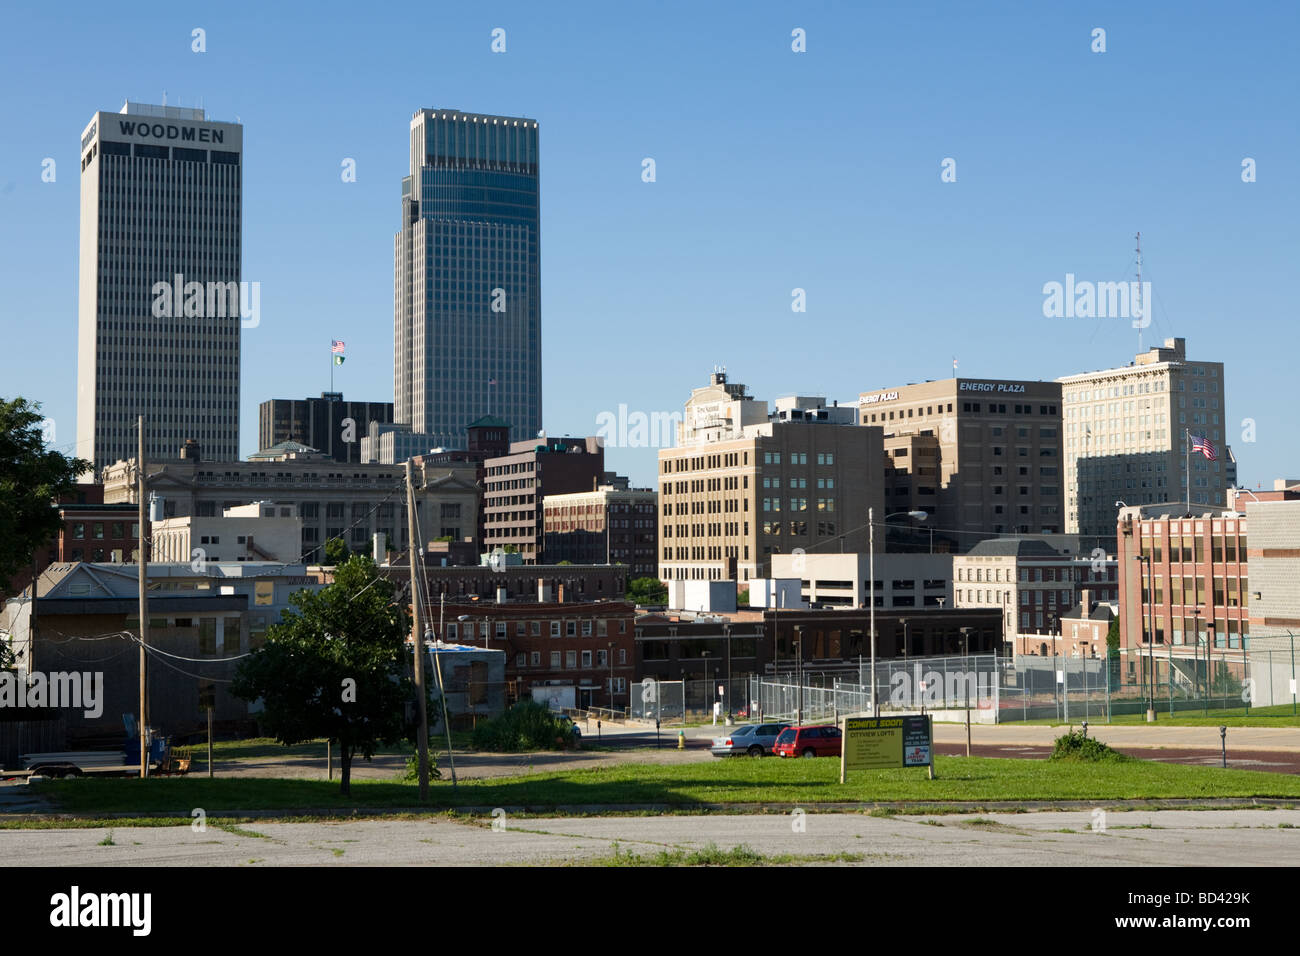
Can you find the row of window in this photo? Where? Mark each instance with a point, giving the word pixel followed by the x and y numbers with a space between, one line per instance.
pixel 572 660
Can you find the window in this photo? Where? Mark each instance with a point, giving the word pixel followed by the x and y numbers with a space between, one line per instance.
pixel 622 657
pixel 586 628
pixel 535 658
pixel 571 628
pixel 521 659
pixel 555 660
pixel 570 660
pixel 586 660
pixel 555 629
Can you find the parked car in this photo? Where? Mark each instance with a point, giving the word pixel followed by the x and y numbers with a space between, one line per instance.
pixel 821 741
pixel 756 740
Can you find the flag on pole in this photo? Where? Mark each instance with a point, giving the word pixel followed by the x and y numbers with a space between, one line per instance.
pixel 339 359
pixel 1203 446
pixel 954 364
pixel 336 347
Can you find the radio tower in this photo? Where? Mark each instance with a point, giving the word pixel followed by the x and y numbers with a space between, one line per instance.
pixel 1140 310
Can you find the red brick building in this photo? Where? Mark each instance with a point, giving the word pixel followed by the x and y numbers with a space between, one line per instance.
pixel 558 645
pixel 89 531
pixel 1197 580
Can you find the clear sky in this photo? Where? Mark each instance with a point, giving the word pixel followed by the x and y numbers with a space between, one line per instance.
pixel 775 170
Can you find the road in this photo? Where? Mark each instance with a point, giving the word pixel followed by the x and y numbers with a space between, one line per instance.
pixel 1047 838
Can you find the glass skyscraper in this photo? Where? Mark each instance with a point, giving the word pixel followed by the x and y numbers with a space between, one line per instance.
pixel 467 284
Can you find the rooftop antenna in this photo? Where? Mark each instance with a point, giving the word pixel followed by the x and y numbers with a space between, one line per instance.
pixel 1141 311
pixel 164 103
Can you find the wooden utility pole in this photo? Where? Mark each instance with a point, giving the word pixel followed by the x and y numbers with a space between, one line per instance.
pixel 422 727
pixel 142 518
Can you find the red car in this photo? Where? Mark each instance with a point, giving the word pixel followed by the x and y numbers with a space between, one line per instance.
pixel 820 741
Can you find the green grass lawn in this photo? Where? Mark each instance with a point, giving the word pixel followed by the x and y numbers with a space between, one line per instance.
pixel 789 782
pixel 1279 716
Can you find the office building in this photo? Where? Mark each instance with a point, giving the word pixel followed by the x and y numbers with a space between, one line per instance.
pixel 333 500
pixel 980 457
pixel 261 531
pixel 517 484
pixel 160 297
pixel 467 280
pixel 328 424
pixel 1034 585
pixel 1125 436
pixel 606 526
pixel 844 580
pixel 744 483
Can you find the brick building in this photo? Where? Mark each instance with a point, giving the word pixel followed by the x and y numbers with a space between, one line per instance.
pixel 608 525
pixel 516 484
pixel 583 645
pixel 89 530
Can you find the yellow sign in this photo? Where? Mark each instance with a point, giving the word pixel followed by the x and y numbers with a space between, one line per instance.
pixel 879 743
pixel 264 593
pixel 873 743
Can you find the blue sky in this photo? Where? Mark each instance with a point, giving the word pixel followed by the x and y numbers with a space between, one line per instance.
pixel 775 170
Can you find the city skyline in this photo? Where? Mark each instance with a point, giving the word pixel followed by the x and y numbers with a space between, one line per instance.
pixel 689 268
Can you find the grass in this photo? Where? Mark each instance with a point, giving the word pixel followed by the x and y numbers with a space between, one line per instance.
pixel 1278 716
pixel 711 855
pixel 678 786
pixel 108 839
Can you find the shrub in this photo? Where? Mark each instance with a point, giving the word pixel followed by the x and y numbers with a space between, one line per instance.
pixel 528 725
pixel 1075 746
pixel 412 772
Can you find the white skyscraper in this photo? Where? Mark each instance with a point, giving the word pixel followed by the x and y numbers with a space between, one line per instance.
pixel 160 295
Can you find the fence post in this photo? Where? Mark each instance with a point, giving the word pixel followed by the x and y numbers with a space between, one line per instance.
pixel 1169 650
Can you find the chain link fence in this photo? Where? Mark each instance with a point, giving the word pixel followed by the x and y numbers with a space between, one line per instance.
pixel 662 700
pixel 997 689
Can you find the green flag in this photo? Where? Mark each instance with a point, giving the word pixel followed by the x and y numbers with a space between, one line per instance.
pixel 338 359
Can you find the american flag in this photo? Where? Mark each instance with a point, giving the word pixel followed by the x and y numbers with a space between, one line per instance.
pixel 336 347
pixel 1202 445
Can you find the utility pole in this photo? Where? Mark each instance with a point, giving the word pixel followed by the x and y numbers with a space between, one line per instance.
pixel 142 518
pixel 417 634
pixel 871 570
pixel 442 691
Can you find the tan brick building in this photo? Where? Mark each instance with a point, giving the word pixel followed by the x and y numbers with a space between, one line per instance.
pixel 1125 436
pixel 744 484
pixel 981 457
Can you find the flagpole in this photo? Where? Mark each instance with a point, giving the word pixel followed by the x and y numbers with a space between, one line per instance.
pixel 1187 438
pixel 331 367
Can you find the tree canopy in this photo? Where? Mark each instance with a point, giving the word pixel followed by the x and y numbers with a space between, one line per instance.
pixel 647 591
pixel 31 480
pixel 336 667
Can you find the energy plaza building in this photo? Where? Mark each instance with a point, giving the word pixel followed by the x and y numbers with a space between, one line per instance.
pixel 159 299
pixel 467 336
pixel 742 484
pixel 980 457
pixel 1126 436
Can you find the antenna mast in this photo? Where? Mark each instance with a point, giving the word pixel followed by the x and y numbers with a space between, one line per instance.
pixel 1141 311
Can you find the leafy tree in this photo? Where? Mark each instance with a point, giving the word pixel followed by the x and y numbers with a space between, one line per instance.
pixel 742 599
pixel 336 551
pixel 1112 638
pixel 335 668
pixel 31 479
pixel 647 590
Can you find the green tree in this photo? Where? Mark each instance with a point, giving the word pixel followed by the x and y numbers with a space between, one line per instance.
pixel 647 591
pixel 336 551
pixel 336 668
pixel 31 479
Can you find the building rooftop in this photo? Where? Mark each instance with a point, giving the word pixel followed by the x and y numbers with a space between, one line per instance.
pixel 1016 547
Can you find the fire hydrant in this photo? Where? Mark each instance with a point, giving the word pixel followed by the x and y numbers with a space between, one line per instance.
pixel 681 740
